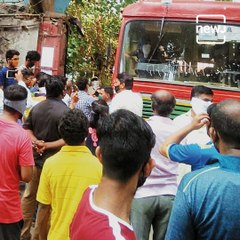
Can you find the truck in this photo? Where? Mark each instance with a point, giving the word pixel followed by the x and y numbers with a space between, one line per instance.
pixel 176 45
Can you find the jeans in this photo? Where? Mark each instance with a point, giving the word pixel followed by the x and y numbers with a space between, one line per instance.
pixel 149 211
pixel 29 205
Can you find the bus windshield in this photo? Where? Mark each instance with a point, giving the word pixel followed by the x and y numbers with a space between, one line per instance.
pixel 182 52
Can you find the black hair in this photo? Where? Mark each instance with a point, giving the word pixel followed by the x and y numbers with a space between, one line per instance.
pixel 99 111
pixel 200 89
pixel 209 112
pixel 82 84
pixel 127 79
pixel 146 41
pixel 94 79
pixel 210 109
pixel 14 92
pixel 108 90
pixel 10 53
pixel 126 141
pixel 73 127
pixel 225 117
pixel 41 78
pixel 163 105
pixel 33 56
pixel 63 79
pixel 55 86
pixel 27 72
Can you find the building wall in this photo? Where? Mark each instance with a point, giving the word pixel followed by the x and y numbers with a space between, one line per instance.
pixel 18 32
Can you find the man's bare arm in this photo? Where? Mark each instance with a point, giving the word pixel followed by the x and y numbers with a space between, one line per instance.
pixel 26 173
pixel 197 122
pixel 42 221
pixel 41 145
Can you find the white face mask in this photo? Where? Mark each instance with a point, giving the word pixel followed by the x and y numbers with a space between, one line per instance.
pixel 199 106
pixel 146 50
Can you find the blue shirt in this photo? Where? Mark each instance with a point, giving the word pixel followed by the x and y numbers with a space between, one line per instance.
pixel 4 81
pixel 207 204
pixel 193 154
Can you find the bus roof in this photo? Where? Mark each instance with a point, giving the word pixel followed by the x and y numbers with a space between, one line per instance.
pixel 183 10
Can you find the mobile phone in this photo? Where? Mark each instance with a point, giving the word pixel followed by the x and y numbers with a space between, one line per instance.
pixel 11 73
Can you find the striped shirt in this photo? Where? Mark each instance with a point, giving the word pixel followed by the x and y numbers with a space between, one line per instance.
pixel 85 103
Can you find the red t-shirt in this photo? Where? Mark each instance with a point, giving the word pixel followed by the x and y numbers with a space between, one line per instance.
pixel 15 151
pixel 92 222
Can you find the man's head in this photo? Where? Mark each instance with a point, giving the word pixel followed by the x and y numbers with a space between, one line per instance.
pixel 99 111
pixel 31 58
pixel 163 103
pixel 12 58
pixel 201 98
pixel 82 84
pixel 202 92
pixel 225 122
pixel 146 48
pixel 125 141
pixel 41 78
pixel 209 112
pixel 123 81
pixel 15 100
pixel 95 83
pixel 69 87
pixel 161 48
pixel 73 127
pixel 28 77
pixel 107 93
pixel 55 86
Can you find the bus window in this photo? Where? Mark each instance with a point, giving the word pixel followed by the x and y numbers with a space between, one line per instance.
pixel 169 51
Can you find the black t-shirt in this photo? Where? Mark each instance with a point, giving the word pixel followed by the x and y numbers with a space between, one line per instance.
pixel 43 120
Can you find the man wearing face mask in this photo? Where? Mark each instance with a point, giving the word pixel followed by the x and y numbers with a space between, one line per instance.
pixel 207 203
pixel 125 97
pixel 201 98
pixel 125 144
pixel 152 202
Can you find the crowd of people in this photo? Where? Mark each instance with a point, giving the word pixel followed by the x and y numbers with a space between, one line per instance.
pixel 95 169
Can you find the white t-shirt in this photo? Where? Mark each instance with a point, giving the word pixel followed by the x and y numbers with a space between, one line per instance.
pixel 128 100
pixel 198 136
pixel 30 102
pixel 67 100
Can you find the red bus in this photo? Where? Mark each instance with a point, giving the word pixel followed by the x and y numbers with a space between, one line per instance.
pixel 174 46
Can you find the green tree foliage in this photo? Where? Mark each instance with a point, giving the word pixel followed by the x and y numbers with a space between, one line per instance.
pixel 94 53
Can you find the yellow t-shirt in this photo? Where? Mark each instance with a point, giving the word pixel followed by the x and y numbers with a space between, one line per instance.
pixel 64 178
